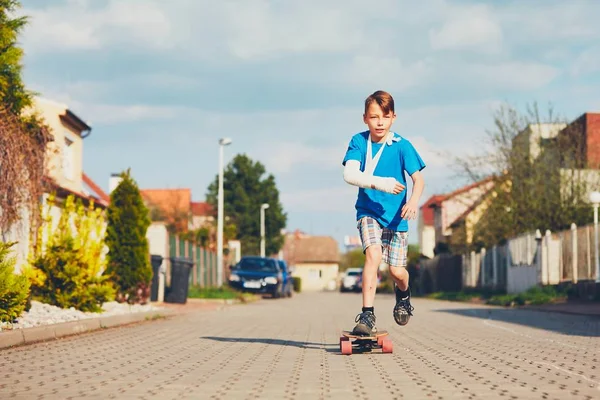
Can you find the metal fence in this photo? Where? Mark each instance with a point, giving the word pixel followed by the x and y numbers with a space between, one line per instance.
pixel 525 261
pixel 204 271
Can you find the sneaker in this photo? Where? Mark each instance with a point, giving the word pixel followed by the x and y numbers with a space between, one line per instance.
pixel 366 324
pixel 403 309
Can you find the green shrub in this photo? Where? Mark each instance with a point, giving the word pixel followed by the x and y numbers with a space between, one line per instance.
pixel 297 282
pixel 14 289
pixel 68 268
pixel 129 264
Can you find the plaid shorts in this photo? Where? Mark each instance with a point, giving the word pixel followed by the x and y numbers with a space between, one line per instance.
pixel 394 244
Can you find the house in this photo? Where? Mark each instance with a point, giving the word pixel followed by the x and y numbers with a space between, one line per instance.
pixel 426 226
pixel 173 206
pixel 573 152
pixel 461 208
pixel 314 259
pixel 64 169
pixel 203 214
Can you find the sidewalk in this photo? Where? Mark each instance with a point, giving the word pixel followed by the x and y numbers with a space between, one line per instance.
pixel 21 336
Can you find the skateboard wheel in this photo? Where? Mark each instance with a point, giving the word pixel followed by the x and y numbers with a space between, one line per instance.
pixel 346 347
pixel 380 341
pixel 387 346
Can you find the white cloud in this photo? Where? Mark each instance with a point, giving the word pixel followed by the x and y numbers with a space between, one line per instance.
pixel 383 72
pixel 513 75
pixel 78 26
pixel 587 62
pixel 332 199
pixel 293 157
pixel 262 28
pixel 470 27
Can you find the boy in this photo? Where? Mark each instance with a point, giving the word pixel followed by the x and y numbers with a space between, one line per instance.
pixel 376 161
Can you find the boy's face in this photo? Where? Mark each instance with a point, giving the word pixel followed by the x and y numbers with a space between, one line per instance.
pixel 379 123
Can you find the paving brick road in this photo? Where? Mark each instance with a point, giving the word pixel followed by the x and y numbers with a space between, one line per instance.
pixel 288 349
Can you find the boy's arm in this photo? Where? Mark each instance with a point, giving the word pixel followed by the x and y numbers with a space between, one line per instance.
pixel 354 176
pixel 409 211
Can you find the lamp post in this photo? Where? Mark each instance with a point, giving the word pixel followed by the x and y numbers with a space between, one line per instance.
pixel 222 143
pixel 595 200
pixel 263 207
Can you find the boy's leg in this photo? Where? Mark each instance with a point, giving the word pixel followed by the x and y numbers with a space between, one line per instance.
pixel 397 257
pixel 370 233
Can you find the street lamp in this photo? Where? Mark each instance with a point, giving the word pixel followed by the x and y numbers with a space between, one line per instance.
pixel 263 207
pixel 222 143
pixel 595 200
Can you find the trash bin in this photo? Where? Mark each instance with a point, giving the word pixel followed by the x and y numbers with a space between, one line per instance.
pixel 180 280
pixel 156 262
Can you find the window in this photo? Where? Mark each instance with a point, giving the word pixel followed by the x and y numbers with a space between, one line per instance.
pixel 68 159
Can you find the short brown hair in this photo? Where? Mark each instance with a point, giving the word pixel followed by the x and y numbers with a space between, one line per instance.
pixel 383 99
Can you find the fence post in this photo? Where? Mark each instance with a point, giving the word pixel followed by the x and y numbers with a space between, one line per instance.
pixel 547 238
pixel 589 252
pixel 482 268
pixel 472 269
pixel 574 255
pixel 494 266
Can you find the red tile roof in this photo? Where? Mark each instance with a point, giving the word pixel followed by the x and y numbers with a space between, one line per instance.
pixel 97 190
pixel 201 209
pixel 468 187
pixel 427 211
pixel 168 200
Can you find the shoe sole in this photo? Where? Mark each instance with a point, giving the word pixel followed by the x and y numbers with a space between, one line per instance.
pixel 401 316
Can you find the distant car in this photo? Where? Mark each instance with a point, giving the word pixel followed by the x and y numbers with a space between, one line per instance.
pixel 359 282
pixel 288 283
pixel 350 280
pixel 257 275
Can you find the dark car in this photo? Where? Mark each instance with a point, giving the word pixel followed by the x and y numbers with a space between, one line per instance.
pixel 257 275
pixel 288 284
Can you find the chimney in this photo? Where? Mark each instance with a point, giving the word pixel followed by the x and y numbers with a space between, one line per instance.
pixel 113 182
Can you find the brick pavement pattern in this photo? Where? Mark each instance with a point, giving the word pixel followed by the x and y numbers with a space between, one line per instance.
pixel 289 349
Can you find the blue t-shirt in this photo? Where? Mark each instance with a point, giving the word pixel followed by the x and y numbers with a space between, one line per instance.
pixel 396 159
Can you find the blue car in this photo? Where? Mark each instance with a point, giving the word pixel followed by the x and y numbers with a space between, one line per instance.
pixel 288 284
pixel 257 275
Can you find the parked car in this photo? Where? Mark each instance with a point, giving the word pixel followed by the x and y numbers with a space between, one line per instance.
pixel 359 282
pixel 257 275
pixel 350 280
pixel 288 284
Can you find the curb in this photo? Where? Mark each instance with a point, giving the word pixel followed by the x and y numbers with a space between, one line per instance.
pixel 36 334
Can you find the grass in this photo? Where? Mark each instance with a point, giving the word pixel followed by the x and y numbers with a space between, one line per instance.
pixel 533 296
pixel 224 293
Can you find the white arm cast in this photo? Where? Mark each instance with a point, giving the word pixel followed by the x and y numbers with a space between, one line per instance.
pixel 354 176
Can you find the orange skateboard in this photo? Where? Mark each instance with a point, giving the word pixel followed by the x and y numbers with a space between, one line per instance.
pixel 350 343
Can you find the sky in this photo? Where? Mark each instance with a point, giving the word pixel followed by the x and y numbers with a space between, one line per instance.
pixel 160 82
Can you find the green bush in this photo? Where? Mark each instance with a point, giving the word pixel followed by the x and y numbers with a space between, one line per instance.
pixel 129 264
pixel 67 284
pixel 68 269
pixel 297 282
pixel 14 289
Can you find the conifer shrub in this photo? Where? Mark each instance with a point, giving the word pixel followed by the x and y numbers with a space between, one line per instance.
pixel 129 264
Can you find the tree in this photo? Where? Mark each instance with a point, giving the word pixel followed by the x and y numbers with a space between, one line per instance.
pixel 23 137
pixel 245 188
pixel 529 173
pixel 354 258
pixel 128 257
